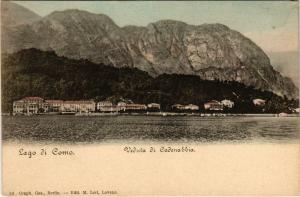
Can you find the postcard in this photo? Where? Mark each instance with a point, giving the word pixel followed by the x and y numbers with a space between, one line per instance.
pixel 150 98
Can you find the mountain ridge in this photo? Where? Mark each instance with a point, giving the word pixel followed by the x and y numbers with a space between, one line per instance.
pixel 211 51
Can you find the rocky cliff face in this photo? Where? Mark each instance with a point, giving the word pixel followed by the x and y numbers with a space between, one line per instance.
pixel 212 51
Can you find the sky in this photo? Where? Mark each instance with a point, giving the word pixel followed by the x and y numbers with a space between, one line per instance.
pixel 272 25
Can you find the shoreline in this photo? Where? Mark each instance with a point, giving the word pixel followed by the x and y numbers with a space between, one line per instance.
pixel 164 114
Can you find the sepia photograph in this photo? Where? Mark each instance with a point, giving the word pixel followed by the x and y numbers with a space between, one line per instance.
pixel 121 97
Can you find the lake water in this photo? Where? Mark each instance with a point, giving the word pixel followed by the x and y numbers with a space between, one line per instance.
pixel 74 129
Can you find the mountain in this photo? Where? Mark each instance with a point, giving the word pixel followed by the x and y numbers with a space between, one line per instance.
pixel 32 72
pixel 13 18
pixel 211 51
pixel 13 14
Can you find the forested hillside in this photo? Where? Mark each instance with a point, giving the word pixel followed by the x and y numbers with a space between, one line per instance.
pixel 32 72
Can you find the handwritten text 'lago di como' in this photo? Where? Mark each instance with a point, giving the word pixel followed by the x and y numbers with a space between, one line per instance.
pixel 45 152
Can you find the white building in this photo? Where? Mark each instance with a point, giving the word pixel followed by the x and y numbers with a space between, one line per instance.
pixel 131 106
pixel 122 106
pixel 259 102
pixel 191 107
pixel 107 106
pixel 104 104
pixel 19 107
pixel 46 107
pixel 213 105
pixel 153 106
pixel 79 106
pixel 28 105
pixel 54 105
pixel 35 105
pixel 227 103
pixel 178 107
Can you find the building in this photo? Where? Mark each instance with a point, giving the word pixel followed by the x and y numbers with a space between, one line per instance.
pixel 19 107
pixel 259 102
pixel 177 107
pixel 107 106
pixel 185 107
pixel 104 104
pixel 46 107
pixel 297 110
pixel 135 106
pixel 28 105
pixel 131 106
pixel 191 107
pixel 54 105
pixel 33 108
pixel 34 105
pixel 213 105
pixel 33 99
pixel 153 106
pixel 122 106
pixel 227 103
pixel 70 106
pixel 79 106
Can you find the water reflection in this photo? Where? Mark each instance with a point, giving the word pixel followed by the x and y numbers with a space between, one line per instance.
pixel 178 129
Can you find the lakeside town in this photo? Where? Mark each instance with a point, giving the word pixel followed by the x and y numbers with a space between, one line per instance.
pixel 38 106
